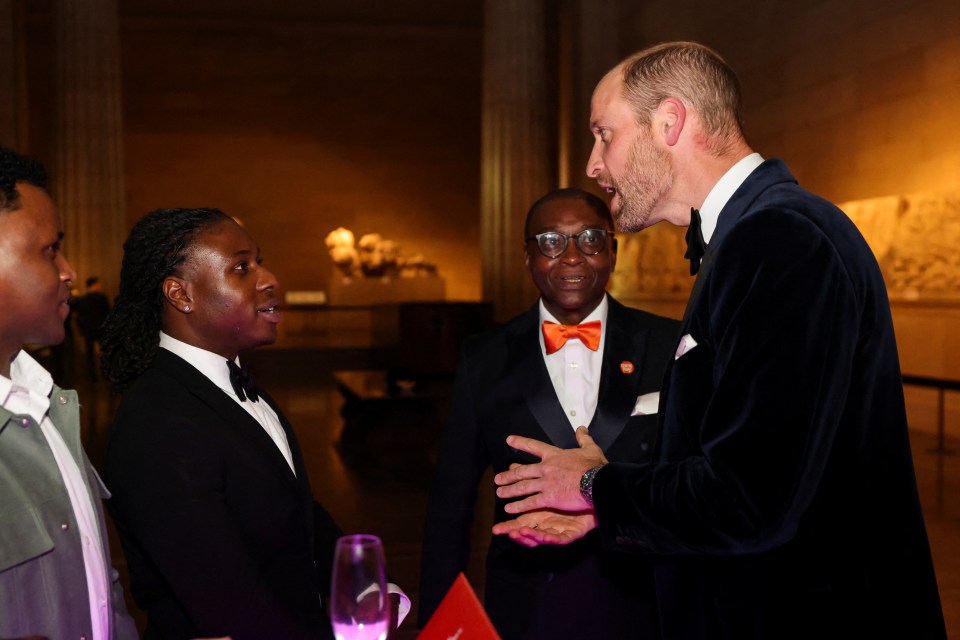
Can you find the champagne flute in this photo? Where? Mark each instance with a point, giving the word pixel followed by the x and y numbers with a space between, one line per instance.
pixel 359 603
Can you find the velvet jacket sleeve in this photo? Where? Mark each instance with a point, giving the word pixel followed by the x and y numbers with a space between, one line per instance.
pixel 754 408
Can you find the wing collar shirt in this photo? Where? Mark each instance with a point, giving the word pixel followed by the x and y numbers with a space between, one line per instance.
pixel 27 392
pixel 214 367
pixel 575 370
pixel 723 191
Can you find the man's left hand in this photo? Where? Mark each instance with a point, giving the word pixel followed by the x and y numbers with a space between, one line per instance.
pixel 554 482
pixel 547 526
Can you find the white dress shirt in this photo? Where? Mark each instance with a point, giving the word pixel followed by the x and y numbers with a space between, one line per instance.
pixel 575 370
pixel 27 392
pixel 722 192
pixel 214 367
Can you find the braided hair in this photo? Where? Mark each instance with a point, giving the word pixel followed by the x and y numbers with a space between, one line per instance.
pixel 16 168
pixel 157 246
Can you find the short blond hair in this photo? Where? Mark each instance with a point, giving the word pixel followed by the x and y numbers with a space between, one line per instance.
pixel 695 74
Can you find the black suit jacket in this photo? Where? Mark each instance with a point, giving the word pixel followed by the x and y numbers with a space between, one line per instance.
pixel 784 504
pixel 503 388
pixel 221 538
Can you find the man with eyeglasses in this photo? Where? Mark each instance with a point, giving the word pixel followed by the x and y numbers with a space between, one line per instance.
pixel 576 358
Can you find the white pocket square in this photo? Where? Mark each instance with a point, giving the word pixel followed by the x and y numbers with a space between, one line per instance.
pixel 686 344
pixel 647 404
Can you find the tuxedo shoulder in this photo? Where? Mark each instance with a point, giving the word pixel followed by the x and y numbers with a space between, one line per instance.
pixel 153 384
pixel 777 206
pixel 790 230
pixel 645 320
pixel 481 344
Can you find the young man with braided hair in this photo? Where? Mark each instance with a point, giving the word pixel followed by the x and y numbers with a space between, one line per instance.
pixel 212 500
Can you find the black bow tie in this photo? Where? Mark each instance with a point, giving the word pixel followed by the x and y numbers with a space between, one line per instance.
pixel 243 384
pixel 695 243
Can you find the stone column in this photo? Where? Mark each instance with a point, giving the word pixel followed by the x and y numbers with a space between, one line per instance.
pixel 12 124
pixel 590 30
pixel 88 178
pixel 515 161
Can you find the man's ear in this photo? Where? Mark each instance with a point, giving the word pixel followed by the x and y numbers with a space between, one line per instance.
pixel 613 255
pixel 176 291
pixel 669 120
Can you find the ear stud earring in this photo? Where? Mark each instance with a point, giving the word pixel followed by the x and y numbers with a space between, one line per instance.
pixel 186 308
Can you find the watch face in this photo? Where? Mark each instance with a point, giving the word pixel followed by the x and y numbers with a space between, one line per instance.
pixel 586 484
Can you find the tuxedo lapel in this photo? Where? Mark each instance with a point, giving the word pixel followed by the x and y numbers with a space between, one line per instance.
pixel 236 419
pixel 618 390
pixel 770 172
pixel 534 381
pixel 294 445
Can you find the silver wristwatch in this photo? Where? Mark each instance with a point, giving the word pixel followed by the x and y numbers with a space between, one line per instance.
pixel 586 483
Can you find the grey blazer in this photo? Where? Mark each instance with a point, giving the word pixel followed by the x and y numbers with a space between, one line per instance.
pixel 43 585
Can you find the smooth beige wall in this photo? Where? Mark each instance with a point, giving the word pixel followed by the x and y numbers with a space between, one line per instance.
pixel 298 123
pixel 858 96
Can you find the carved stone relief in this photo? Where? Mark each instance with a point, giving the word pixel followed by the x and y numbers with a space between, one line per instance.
pixel 915 237
pixel 650 264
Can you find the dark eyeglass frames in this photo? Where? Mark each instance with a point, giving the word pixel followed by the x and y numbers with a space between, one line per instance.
pixel 589 242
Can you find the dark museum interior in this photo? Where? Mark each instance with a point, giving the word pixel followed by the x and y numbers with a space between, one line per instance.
pixel 422 131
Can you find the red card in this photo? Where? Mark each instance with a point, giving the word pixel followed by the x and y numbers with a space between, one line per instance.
pixel 460 616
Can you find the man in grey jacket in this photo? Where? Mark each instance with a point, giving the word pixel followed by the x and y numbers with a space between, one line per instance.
pixel 55 575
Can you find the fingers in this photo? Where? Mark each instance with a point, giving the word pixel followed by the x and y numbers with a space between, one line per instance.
pixel 535 447
pixel 519 488
pixel 528 536
pixel 525 536
pixel 583 437
pixel 523 520
pixel 529 503
pixel 516 473
pixel 547 526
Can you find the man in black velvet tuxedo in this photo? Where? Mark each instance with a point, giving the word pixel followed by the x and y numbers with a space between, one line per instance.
pixel 511 380
pixel 783 502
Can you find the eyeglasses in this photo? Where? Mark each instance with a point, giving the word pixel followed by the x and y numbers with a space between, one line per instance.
pixel 590 242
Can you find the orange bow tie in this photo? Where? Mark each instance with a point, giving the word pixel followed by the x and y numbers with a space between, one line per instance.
pixel 556 335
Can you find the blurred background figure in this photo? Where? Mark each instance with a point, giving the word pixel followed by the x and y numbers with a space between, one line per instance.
pixel 91 310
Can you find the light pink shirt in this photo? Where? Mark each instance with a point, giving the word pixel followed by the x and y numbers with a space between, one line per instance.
pixel 27 392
